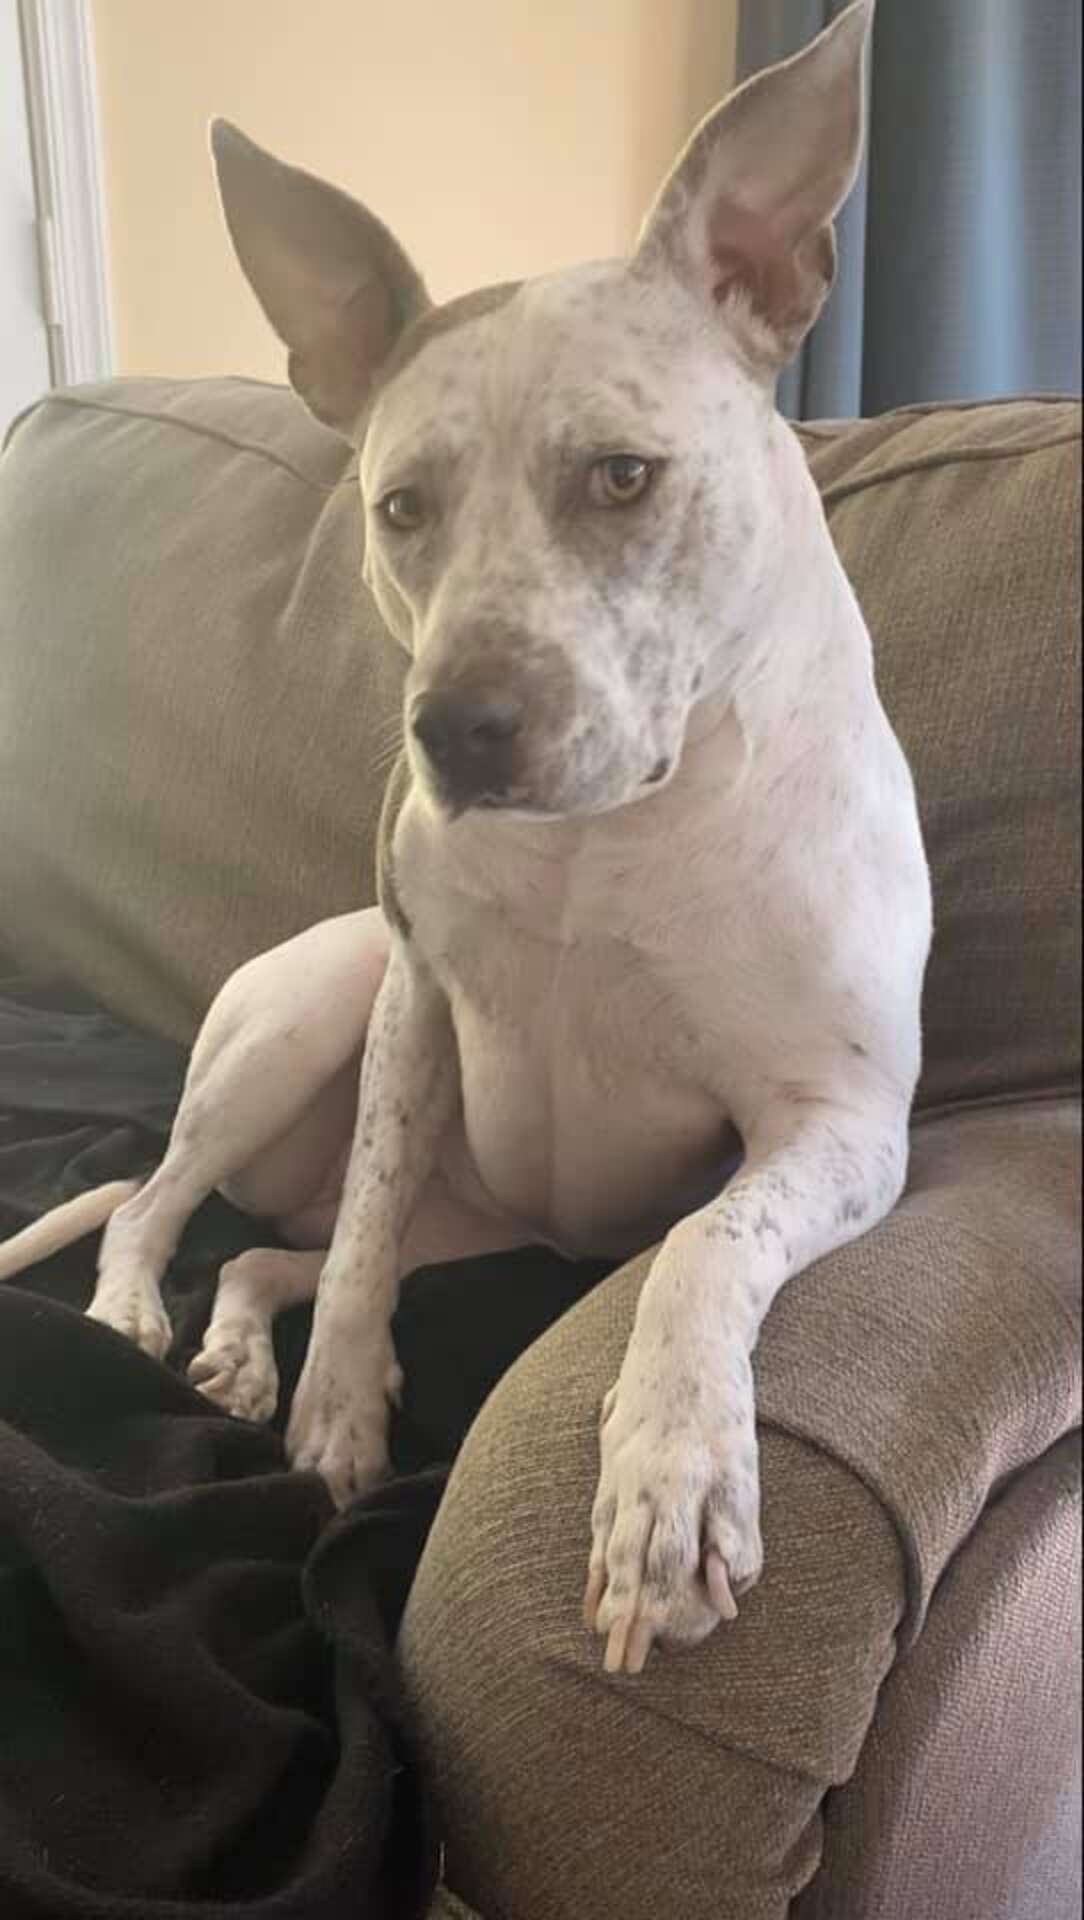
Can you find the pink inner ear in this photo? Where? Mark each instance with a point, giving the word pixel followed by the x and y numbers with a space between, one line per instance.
pixel 742 251
pixel 783 279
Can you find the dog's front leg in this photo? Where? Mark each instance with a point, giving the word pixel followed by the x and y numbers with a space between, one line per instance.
pixel 409 1087
pixel 676 1523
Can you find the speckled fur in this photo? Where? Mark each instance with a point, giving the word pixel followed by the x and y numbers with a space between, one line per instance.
pixel 590 994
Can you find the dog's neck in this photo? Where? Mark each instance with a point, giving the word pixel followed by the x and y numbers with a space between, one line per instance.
pixel 808 651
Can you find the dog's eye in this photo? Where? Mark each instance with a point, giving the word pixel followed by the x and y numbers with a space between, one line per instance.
pixel 620 479
pixel 403 509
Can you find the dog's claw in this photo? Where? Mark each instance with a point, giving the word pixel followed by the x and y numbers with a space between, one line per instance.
pixel 596 1587
pixel 640 1643
pixel 616 1645
pixel 717 1580
pixel 211 1387
pixel 236 1371
pixel 628 1645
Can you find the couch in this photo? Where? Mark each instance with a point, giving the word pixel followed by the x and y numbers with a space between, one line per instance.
pixel 197 714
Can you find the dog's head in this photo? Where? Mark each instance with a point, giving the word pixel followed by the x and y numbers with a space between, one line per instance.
pixel 568 485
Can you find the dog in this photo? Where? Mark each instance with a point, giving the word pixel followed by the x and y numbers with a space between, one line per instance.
pixel 654 902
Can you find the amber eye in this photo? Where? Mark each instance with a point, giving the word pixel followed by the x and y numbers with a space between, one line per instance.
pixel 620 479
pixel 402 509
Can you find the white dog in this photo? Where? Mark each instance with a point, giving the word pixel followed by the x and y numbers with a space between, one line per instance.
pixel 651 876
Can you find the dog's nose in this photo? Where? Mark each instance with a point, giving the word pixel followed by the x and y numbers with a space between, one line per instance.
pixel 470 738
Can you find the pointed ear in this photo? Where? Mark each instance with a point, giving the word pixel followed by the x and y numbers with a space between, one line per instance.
pixel 335 285
pixel 745 218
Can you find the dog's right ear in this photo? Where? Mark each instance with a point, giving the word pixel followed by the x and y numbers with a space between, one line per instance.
pixel 336 286
pixel 745 218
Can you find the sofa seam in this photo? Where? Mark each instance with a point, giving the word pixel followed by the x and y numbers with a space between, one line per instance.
pixel 962 1548
pixel 828 428
pixel 79 404
pixel 934 462
pixel 910 1625
pixel 598 1680
pixel 912 1616
pixel 1068 1095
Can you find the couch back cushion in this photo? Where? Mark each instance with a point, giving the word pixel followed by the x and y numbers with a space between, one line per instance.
pixel 960 528
pixel 198 703
pixel 197 698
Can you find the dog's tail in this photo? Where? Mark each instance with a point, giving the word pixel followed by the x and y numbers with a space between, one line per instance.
pixel 68 1222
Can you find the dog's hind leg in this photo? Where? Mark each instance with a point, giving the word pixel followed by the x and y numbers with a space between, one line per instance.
pixel 235 1367
pixel 276 1051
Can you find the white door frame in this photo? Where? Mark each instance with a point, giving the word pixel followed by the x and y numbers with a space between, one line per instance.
pixel 58 54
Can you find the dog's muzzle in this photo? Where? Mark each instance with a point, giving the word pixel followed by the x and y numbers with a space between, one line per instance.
pixel 473 742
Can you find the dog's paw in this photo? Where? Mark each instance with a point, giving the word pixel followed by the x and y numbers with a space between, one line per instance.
pixel 133 1307
pixel 676 1521
pixel 235 1368
pixel 339 1418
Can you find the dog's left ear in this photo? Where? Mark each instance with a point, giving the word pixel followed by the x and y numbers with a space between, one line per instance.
pixel 745 218
pixel 334 283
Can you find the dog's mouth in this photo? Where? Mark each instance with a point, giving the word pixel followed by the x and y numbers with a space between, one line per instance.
pixel 453 806
pixel 513 806
pixel 518 803
pixel 518 799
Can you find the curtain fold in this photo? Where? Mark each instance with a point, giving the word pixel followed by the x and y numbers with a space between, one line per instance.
pixel 960 251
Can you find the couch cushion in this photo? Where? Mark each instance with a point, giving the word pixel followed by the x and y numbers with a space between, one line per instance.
pixel 198 702
pixel 197 699
pixel 960 528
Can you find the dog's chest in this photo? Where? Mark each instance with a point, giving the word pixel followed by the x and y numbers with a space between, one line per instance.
pixel 587 1110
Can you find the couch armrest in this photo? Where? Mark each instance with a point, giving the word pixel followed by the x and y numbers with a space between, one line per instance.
pixel 900 1383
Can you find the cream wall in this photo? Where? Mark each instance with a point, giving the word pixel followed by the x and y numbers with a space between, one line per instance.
pixel 497 137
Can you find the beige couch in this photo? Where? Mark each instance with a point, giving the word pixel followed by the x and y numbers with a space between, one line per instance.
pixel 196 715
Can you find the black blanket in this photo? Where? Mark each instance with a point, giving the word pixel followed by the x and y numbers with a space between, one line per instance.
pixel 198 1701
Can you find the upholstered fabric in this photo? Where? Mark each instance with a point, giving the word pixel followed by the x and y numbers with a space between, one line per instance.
pixel 902 1385
pixel 197 699
pixel 966 1799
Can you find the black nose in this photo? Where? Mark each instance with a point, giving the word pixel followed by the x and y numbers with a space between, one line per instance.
pixel 470 738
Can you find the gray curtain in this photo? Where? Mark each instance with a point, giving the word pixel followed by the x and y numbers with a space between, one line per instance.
pixel 960 252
